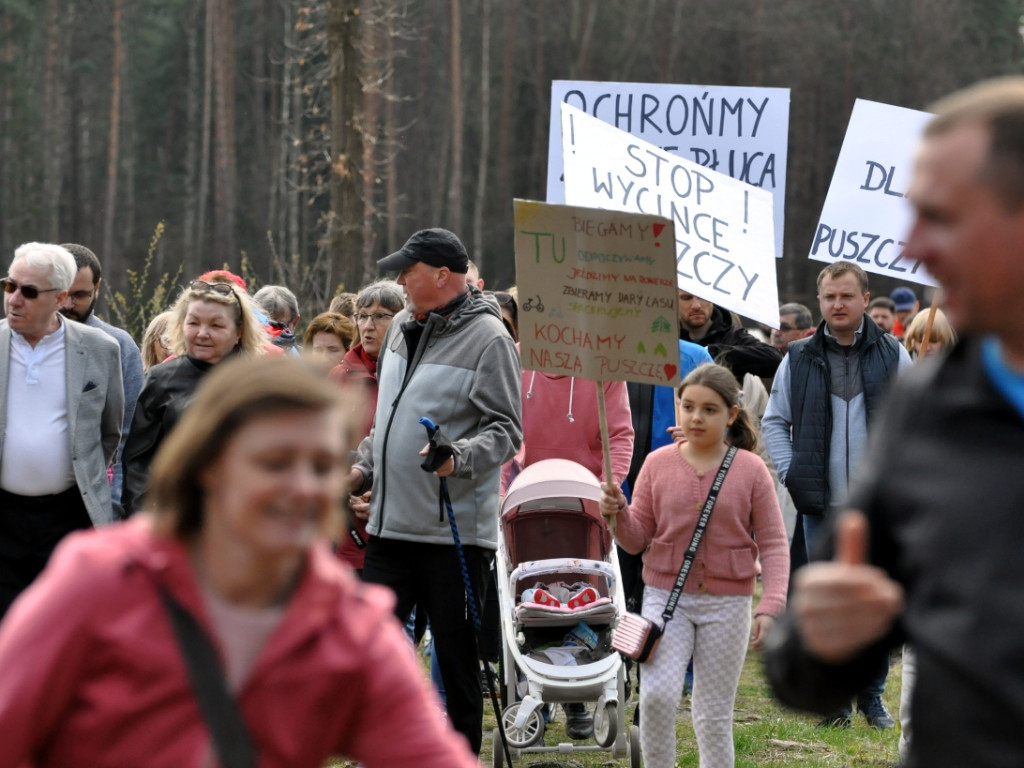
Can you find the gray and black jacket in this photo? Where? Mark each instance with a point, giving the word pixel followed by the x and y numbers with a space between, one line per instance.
pixel 823 398
pixel 462 372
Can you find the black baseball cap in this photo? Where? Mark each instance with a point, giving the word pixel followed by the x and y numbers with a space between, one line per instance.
pixel 436 247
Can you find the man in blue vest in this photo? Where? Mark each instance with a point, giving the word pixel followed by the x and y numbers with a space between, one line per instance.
pixel 815 426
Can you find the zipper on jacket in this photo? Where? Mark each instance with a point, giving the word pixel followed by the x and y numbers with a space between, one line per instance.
pixel 417 356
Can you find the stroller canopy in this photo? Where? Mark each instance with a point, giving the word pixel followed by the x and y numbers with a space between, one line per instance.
pixel 551 510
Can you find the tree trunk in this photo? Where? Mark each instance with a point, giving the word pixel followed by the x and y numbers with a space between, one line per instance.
pixel 455 181
pixel 52 98
pixel 114 146
pixel 345 223
pixel 508 75
pixel 206 126
pixel 258 176
pixel 194 133
pixel 6 119
pixel 390 139
pixel 485 137
pixel 224 132
pixel 371 57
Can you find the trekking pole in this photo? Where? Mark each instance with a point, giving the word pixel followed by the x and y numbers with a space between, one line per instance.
pixel 440 451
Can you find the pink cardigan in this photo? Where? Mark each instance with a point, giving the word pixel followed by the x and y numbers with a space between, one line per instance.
pixel 666 504
pixel 90 672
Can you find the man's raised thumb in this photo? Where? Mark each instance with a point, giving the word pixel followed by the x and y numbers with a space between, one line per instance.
pixel 852 538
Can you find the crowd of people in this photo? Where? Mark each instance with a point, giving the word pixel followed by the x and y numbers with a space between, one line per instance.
pixel 281 512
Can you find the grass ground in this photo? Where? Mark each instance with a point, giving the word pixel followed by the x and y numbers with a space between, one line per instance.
pixel 764 734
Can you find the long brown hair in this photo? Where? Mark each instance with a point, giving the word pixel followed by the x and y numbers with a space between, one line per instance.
pixel 719 379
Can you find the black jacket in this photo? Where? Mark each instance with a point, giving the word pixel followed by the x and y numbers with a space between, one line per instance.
pixel 944 495
pixel 168 389
pixel 875 356
pixel 735 347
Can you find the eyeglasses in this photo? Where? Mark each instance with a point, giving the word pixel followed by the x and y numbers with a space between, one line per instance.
pixel 375 318
pixel 201 286
pixel 28 291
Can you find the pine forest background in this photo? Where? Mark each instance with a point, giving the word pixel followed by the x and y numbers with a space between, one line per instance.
pixel 300 141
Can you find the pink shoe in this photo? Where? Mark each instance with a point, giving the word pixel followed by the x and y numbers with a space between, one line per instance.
pixel 583 598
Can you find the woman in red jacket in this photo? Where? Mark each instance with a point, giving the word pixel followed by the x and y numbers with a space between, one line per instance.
pixel 376 304
pixel 245 494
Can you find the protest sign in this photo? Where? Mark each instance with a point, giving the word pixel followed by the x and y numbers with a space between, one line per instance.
pixel 741 132
pixel 724 240
pixel 597 293
pixel 866 216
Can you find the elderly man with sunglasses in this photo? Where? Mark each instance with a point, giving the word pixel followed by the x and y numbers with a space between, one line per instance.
pixel 61 407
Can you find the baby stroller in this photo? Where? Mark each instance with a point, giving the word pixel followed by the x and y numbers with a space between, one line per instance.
pixel 553 542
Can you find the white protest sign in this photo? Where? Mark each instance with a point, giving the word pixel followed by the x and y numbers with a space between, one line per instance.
pixel 866 216
pixel 739 131
pixel 597 293
pixel 724 237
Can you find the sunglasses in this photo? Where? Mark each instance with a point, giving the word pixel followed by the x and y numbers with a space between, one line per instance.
pixel 201 286
pixel 506 300
pixel 28 291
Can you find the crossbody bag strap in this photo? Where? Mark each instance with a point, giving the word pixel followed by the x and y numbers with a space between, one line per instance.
pixel 231 738
pixel 698 534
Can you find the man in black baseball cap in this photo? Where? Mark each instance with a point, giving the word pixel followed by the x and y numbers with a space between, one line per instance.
pixel 432 268
pixel 446 357
pixel 436 247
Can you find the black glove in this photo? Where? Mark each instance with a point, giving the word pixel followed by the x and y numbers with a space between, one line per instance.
pixel 441 448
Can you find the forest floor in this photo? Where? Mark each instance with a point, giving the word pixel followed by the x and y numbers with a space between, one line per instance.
pixel 765 734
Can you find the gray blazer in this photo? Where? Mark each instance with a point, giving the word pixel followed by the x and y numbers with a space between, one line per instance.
pixel 95 409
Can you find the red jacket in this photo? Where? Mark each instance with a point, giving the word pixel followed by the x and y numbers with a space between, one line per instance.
pixel 90 673
pixel 357 369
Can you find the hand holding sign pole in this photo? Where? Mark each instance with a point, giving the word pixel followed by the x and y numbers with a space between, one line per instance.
pixel 606 452
pixel 597 297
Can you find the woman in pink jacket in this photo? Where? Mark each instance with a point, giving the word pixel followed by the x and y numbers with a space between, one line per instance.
pixel 245 495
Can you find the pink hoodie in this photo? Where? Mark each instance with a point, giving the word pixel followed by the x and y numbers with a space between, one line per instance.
pixel 560 421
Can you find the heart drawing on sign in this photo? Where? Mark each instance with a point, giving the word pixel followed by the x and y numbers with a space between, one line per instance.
pixel 657 232
pixel 670 371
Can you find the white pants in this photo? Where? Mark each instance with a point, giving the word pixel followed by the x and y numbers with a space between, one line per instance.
pixel 906 694
pixel 714 630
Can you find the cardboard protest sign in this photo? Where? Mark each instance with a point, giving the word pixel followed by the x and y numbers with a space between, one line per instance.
pixel 741 132
pixel 724 234
pixel 866 216
pixel 597 293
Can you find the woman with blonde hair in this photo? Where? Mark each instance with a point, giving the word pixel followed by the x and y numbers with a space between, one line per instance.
pixel 225 591
pixel 155 347
pixel 210 322
pixel 941 336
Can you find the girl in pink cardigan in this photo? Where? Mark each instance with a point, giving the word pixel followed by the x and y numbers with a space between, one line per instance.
pixel 712 620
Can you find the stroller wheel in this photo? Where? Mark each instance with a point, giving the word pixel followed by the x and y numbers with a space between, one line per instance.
pixel 606 724
pixel 634 747
pixel 529 734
